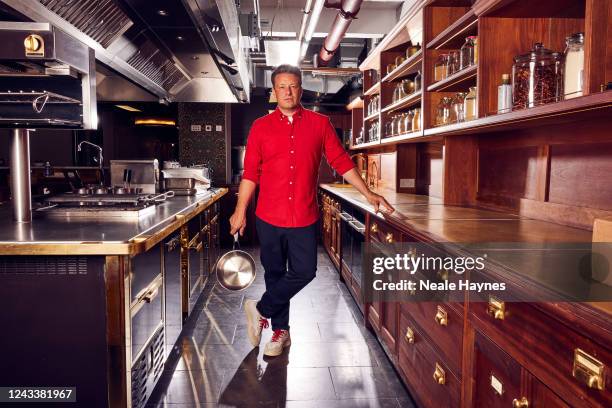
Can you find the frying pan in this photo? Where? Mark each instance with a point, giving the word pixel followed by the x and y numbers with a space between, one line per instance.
pixel 235 270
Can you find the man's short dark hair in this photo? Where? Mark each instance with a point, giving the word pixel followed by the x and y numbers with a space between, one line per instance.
pixel 287 69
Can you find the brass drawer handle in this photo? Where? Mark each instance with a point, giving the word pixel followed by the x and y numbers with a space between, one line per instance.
pixel 389 238
pixel 374 228
pixel 496 308
pixel 441 316
pixel 520 403
pixel 588 370
pixel 439 375
pixel 409 335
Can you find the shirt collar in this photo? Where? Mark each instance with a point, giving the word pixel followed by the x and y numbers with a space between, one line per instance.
pixel 298 113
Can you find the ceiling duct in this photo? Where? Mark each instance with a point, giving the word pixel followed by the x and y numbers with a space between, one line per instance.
pixel 348 12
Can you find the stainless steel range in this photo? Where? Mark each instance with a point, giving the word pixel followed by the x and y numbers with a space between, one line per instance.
pixel 102 206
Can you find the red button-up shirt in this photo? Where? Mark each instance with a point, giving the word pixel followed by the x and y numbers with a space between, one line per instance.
pixel 283 157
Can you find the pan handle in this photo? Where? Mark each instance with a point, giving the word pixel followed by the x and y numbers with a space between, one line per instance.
pixel 236 243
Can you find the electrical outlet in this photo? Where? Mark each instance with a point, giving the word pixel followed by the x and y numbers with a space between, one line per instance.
pixel 196 128
pixel 407 183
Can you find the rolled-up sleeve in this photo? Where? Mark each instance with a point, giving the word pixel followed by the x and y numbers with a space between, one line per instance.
pixel 335 154
pixel 252 156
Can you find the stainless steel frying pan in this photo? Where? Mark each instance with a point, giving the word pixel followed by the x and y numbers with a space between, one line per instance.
pixel 235 270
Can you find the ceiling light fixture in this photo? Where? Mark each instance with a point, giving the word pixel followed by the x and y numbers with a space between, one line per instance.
pixel 162 13
pixel 155 122
pixel 180 37
pixel 128 108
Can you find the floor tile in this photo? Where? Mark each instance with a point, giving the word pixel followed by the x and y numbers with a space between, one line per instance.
pixel 366 382
pixel 188 387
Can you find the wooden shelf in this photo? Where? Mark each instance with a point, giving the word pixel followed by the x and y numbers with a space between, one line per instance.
pixel 365 145
pixel 372 116
pixel 401 138
pixel 457 80
pixel 373 90
pixel 409 100
pixel 466 24
pixel 405 68
pixel 555 112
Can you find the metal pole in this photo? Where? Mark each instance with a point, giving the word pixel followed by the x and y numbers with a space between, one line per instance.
pixel 20 175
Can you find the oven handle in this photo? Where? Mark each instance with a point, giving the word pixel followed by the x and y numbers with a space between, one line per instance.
pixel 346 216
pixel 148 295
pixel 359 227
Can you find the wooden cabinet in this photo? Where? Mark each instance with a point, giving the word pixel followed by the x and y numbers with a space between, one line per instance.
pixel 330 228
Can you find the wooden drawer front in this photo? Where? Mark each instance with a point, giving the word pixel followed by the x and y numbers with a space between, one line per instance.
pixel 549 350
pixel 419 363
pixel 443 325
pixel 383 232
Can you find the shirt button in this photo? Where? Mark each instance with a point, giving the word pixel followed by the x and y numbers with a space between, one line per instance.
pixel 290 198
pixel 290 167
pixel 292 136
pixel 292 151
pixel 291 182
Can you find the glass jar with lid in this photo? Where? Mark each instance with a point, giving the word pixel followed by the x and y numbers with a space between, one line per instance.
pixel 417 81
pixel 470 104
pixel 536 77
pixel 457 114
pixel 394 125
pixel 453 63
pixel 440 67
pixel 443 112
pixel 408 121
pixel 469 52
pixel 573 77
pixel 388 131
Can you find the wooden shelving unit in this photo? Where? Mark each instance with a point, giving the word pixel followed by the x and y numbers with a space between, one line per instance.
pixel 373 90
pixel 365 145
pixel 455 32
pixel 372 116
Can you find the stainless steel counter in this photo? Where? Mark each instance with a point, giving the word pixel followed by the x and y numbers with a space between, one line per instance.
pixel 45 236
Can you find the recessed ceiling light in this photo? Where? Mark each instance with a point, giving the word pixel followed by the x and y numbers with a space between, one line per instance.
pixel 180 37
pixel 195 57
pixel 128 108
pixel 163 13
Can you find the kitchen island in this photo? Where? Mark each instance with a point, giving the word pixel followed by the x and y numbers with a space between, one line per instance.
pixel 98 304
pixel 458 352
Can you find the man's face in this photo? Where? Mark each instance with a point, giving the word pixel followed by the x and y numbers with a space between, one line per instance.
pixel 288 90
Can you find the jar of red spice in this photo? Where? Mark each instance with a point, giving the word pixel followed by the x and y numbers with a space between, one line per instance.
pixel 537 77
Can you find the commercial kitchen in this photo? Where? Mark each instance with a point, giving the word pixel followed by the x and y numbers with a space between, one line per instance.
pixel 123 130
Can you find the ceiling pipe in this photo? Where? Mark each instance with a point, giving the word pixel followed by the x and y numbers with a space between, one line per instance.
pixel 311 26
pixel 348 12
pixel 306 11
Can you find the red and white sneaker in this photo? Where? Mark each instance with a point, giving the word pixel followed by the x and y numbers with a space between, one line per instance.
pixel 255 322
pixel 280 340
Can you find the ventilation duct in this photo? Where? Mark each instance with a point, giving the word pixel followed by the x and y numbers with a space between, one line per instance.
pixel 348 12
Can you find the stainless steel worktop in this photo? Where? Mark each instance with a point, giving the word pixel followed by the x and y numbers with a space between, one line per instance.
pixel 45 236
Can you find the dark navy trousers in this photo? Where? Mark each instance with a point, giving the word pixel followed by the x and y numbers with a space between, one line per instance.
pixel 289 258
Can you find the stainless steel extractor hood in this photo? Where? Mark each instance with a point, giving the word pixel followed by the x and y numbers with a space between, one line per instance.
pixel 177 50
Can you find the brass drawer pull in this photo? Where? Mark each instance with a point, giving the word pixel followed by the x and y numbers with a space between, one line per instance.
pixel 374 228
pixel 588 370
pixel 441 316
pixel 496 308
pixel 439 375
pixel 520 403
pixel 389 238
pixel 409 335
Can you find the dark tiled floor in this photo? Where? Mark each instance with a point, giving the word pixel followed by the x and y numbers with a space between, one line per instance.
pixel 333 362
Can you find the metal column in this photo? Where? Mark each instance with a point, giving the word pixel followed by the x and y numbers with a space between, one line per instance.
pixel 20 175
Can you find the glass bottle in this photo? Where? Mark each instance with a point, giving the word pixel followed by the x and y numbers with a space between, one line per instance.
pixel 453 63
pixel 458 114
pixel 470 104
pixel 417 81
pixel 468 54
pixel 573 79
pixel 408 121
pixel 443 112
pixel 536 77
pixel 504 95
pixel 416 120
pixel 440 67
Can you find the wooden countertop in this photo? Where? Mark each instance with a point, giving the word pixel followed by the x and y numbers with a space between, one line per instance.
pixel 100 237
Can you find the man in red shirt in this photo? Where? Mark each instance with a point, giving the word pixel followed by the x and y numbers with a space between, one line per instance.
pixel 282 155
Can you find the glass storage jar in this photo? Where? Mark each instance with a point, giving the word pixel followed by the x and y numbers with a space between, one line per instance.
pixel 407 86
pixel 388 129
pixel 417 81
pixel 390 67
pixel 408 121
pixel 399 60
pixel 443 112
pixel 416 120
pixel 440 67
pixel 394 125
pixel 573 79
pixel 469 52
pixel 457 112
pixel 536 77
pixel 452 63
pixel 470 104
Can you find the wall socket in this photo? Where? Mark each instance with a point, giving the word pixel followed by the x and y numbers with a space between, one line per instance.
pixel 196 128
